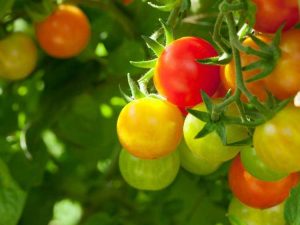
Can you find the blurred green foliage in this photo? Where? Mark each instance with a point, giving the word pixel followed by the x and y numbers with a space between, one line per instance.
pixel 58 143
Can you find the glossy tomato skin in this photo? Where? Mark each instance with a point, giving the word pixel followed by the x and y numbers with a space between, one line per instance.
pixel 257 168
pixel 257 193
pixel 65 33
pixel 253 216
pixel 18 56
pixel 152 174
pixel 277 141
pixel 211 147
pixel 258 88
pixel 284 81
pixel 180 78
pixel 193 163
pixel 268 18
pixel 150 128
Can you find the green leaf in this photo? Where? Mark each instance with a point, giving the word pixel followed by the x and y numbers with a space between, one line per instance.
pixel 204 116
pixel 292 207
pixel 155 46
pixel 207 129
pixel 12 197
pixel 144 64
pixel 251 12
pixel 6 6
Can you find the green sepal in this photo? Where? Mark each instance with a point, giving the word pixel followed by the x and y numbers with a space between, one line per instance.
pixel 282 105
pixel 134 88
pixel 207 129
pixel 266 70
pixel 255 65
pixel 292 207
pixel 217 60
pixel 155 46
pixel 204 116
pixel 221 131
pixel 244 142
pixel 125 96
pixel 207 101
pixel 167 32
pixel 147 76
pixel 147 64
pixel 261 44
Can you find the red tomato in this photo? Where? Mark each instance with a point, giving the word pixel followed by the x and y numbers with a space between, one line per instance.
pixel 65 33
pixel 127 2
pixel 271 14
pixel 180 78
pixel 257 193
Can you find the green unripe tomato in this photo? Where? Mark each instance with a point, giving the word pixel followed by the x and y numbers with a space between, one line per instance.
pixel 18 56
pixel 211 147
pixel 251 216
pixel 149 174
pixel 195 164
pixel 257 168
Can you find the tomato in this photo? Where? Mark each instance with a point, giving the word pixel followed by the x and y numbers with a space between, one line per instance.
pixel 127 2
pixel 257 168
pixel 180 78
pixel 150 128
pixel 18 56
pixel 271 14
pixel 228 72
pixel 65 33
pixel 277 141
pixel 252 216
pixel 195 164
pixel 211 147
pixel 284 81
pixel 145 174
pixel 257 193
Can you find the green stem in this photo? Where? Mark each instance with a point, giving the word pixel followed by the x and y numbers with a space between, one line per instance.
pixel 216 34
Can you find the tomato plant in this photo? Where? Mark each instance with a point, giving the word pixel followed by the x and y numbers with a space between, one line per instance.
pixel 211 147
pixel 150 128
pixel 257 193
pixel 18 56
pixel 257 168
pixel 65 33
pixel 154 174
pixel 283 132
pixel 268 20
pixel 182 80
pixel 193 163
pixel 252 216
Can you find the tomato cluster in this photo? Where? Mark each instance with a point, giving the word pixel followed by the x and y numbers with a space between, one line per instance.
pixel 63 34
pixel 261 174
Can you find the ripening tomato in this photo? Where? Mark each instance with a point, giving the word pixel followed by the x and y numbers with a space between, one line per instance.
pixel 150 128
pixel 211 147
pixel 145 174
pixel 252 216
pixel 257 168
pixel 180 78
pixel 284 81
pixel 257 193
pixel 18 56
pixel 271 14
pixel 65 33
pixel 194 164
pixel 277 141
pixel 228 72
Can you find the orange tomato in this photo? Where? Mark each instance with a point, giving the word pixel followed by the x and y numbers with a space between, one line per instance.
pixel 228 72
pixel 65 33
